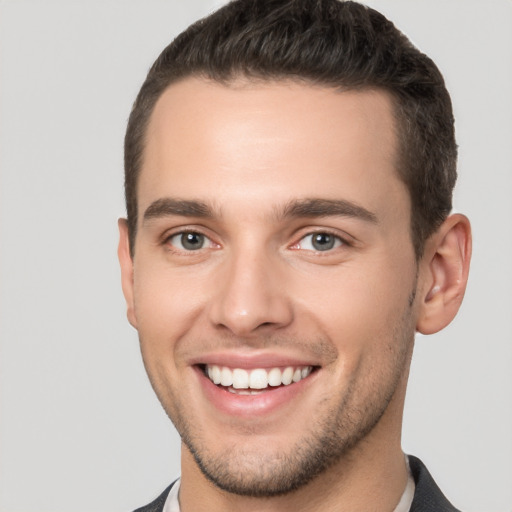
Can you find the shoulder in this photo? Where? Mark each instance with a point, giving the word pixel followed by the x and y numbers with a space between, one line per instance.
pixel 427 496
pixel 158 504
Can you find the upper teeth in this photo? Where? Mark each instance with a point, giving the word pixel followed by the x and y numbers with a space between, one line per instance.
pixel 258 378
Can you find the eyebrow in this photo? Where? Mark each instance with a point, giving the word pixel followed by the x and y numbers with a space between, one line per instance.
pixel 167 206
pixel 313 208
pixel 326 208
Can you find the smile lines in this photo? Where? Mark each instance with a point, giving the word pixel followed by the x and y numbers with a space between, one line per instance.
pixel 257 379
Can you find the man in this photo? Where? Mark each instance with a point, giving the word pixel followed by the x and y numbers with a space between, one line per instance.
pixel 289 171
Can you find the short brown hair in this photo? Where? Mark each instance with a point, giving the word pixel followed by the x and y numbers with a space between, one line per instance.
pixel 340 44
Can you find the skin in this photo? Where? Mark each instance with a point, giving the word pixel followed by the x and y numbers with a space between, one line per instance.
pixel 258 288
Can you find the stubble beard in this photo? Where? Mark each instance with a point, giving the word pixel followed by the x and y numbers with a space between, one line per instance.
pixel 338 432
pixel 256 474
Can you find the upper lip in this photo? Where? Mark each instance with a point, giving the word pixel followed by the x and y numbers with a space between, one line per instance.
pixel 251 360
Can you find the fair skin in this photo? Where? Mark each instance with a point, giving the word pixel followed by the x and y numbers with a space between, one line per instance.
pixel 274 233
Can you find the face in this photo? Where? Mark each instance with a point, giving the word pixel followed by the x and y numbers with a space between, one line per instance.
pixel 273 279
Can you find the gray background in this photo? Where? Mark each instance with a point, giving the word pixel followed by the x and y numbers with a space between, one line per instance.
pixel 80 429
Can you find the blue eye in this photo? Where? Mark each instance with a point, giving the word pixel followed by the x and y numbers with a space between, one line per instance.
pixel 320 241
pixel 189 241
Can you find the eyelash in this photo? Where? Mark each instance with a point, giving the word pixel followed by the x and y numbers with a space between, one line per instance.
pixel 190 232
pixel 338 241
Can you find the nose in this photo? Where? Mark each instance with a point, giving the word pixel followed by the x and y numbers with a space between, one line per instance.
pixel 251 297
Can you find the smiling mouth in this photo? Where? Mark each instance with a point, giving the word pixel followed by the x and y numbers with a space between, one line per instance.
pixel 252 382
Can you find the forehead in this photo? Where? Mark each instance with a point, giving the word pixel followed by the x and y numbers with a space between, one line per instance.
pixel 282 138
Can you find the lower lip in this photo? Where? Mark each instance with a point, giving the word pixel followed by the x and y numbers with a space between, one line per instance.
pixel 261 404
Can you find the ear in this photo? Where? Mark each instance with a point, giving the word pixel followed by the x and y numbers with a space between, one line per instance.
pixel 444 273
pixel 126 262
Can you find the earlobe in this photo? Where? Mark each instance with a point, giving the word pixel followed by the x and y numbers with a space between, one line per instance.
pixel 126 263
pixel 445 269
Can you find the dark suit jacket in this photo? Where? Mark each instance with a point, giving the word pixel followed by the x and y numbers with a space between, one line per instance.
pixel 427 497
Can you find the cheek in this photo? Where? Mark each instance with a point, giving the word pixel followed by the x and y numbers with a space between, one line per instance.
pixel 359 308
pixel 166 307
